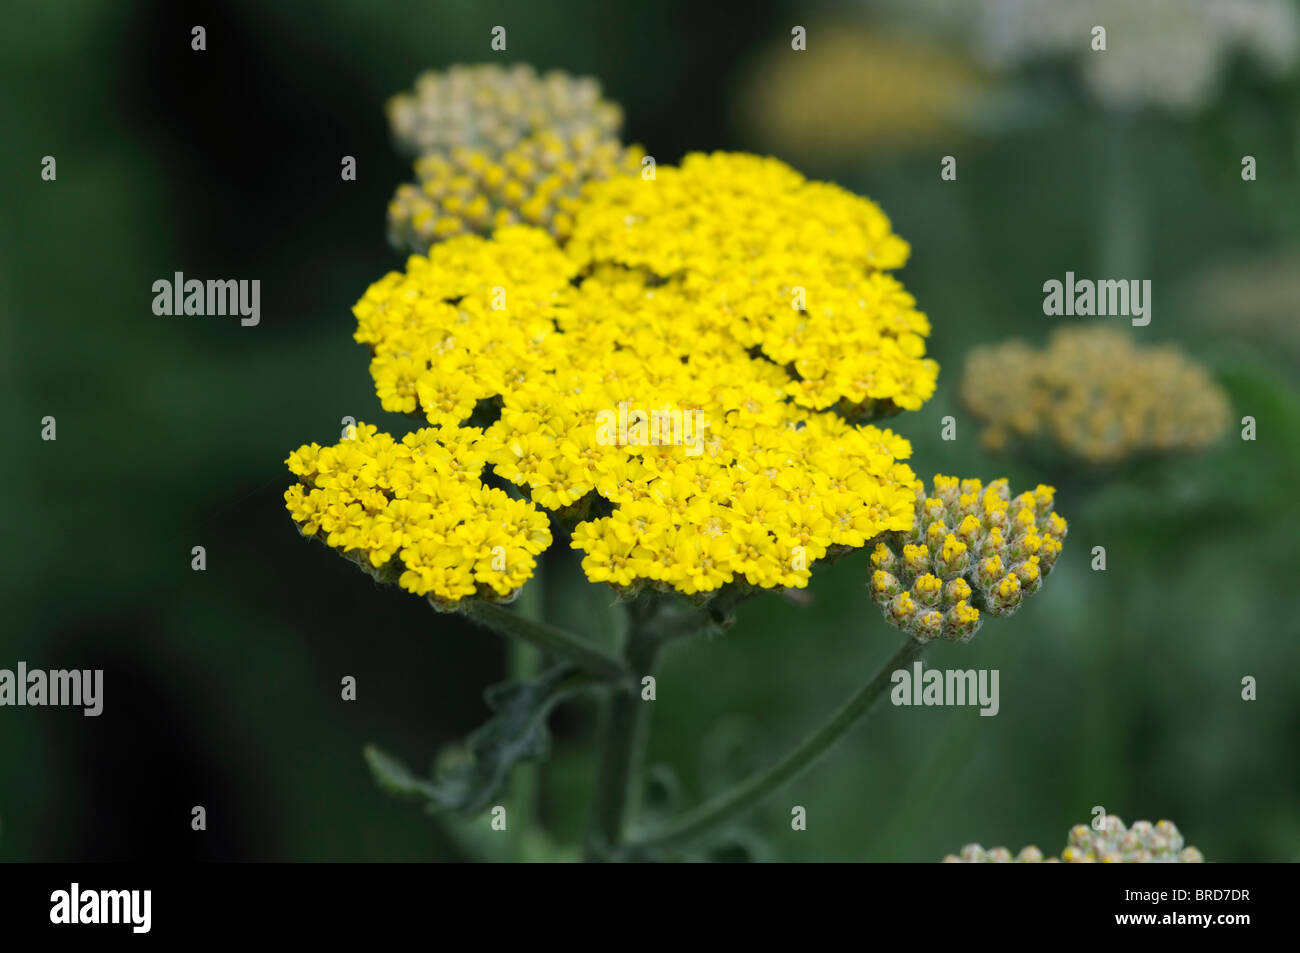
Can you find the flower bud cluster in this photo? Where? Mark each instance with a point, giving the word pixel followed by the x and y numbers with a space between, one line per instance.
pixel 972 549
pixel 497 147
pixel 1143 843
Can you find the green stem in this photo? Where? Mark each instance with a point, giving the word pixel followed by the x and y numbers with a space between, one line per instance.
pixel 729 805
pixel 1122 237
pixel 524 662
pixel 558 642
pixel 624 740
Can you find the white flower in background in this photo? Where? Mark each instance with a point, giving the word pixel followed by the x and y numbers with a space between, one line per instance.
pixel 1169 54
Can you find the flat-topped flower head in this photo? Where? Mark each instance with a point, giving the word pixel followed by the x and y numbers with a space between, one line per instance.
pixel 972 549
pixel 415 512
pixel 656 406
pixel 1143 843
pixel 1094 395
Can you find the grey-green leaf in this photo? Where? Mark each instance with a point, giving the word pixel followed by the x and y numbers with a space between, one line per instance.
pixel 515 732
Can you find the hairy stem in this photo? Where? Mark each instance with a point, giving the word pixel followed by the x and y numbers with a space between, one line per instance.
pixel 558 642
pixel 524 662
pixel 729 805
pixel 624 739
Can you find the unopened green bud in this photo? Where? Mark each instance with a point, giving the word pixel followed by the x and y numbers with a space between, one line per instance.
pixel 972 549
pixel 927 590
pixel 882 557
pixel 927 625
pixel 961 622
pixel 884 586
pixel 902 610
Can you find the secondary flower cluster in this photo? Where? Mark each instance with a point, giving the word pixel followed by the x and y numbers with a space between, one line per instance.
pixel 496 147
pixel 416 512
pixel 1094 395
pixel 1143 843
pixel 537 182
pixel 970 548
pixel 492 107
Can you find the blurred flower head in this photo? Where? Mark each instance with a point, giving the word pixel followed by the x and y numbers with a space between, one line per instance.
pixel 494 108
pixel 1167 54
pixel 855 92
pixel 497 147
pixel 1143 843
pixel 1094 395
pixel 971 549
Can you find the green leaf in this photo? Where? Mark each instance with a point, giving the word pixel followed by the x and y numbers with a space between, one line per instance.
pixel 516 732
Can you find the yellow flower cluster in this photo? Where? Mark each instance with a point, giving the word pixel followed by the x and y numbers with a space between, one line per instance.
pixel 495 108
pixel 970 548
pixel 1143 843
pixel 416 512
pixel 797 270
pixel 683 384
pixel 728 472
pixel 1094 395
pixel 497 147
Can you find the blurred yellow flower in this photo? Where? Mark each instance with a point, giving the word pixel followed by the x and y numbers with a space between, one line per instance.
pixel 1095 395
pixel 854 92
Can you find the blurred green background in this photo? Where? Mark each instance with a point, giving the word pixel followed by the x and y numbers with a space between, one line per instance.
pixel 1119 689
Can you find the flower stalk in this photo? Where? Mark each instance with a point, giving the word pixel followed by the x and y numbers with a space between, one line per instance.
pixel 548 638
pixel 523 663
pixel 624 738
pixel 730 805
